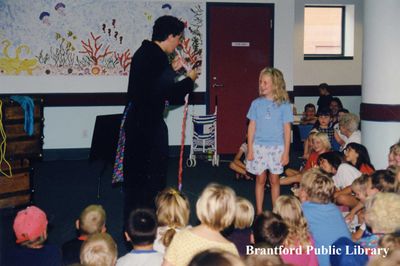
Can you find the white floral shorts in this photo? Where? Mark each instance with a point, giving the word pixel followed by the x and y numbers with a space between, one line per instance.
pixel 266 158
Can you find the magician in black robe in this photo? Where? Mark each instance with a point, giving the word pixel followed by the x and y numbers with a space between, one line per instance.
pixel 152 82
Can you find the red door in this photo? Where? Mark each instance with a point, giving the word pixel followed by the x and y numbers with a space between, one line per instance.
pixel 239 45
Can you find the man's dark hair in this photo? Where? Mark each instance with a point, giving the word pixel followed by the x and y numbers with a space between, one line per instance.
pixel 338 101
pixel 269 228
pixel 323 86
pixel 166 25
pixel 142 226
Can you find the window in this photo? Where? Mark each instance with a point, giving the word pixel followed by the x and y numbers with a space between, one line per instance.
pixel 328 32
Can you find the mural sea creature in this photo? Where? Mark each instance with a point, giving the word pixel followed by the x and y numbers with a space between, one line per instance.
pixel 15 65
pixel 60 7
pixel 44 17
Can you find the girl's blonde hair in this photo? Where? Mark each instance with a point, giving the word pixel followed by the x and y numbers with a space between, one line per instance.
pixel 323 137
pixel 173 211
pixel 279 92
pixel 216 206
pixel 244 214
pixel 289 208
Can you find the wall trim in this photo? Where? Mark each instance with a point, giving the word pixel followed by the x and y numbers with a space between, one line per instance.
pixel 196 98
pixel 380 112
pixel 96 99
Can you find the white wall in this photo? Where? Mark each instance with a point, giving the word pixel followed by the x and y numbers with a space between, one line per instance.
pixel 333 72
pixel 287 57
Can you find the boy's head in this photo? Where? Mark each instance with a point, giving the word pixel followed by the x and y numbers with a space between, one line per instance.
pixel 99 250
pixel 323 89
pixel 381 181
pixel 92 220
pixel 324 117
pixel 317 187
pixel 360 186
pixel 244 213
pixel 269 228
pixel 309 110
pixel 216 206
pixel 30 226
pixel 141 228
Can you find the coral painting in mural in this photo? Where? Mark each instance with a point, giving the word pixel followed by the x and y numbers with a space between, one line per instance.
pixel 81 40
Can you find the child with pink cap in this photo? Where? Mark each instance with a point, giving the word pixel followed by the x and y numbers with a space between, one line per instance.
pixel 30 228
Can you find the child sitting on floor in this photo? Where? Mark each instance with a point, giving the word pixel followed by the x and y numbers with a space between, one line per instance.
pixel 325 221
pixel 99 249
pixel 238 165
pixel 216 211
pixel 289 208
pixel 309 117
pixel 241 234
pixel 30 228
pixel 141 231
pixel 172 216
pixel 321 145
pixel 92 220
pixel 343 176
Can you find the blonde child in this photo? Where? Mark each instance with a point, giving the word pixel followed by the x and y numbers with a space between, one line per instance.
pixel 92 220
pixel 268 133
pixel 321 144
pixel 173 212
pixel 289 208
pixel 244 216
pixel 359 188
pixel 215 209
pixel 325 220
pixel 99 249
pixel 30 228
pixel 308 144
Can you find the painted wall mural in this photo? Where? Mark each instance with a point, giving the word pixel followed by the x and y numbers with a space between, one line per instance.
pixel 88 37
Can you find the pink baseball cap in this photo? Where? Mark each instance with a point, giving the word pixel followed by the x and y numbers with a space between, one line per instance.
pixel 29 224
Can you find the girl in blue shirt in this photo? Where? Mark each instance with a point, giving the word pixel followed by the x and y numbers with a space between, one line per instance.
pixel 270 116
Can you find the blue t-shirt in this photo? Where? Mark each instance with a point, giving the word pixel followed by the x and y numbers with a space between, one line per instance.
pixel 269 118
pixel 326 224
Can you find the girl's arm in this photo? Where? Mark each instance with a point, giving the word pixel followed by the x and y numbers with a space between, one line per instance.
pixel 250 139
pixel 286 143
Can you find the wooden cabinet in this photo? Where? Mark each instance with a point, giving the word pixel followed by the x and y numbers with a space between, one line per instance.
pixel 20 150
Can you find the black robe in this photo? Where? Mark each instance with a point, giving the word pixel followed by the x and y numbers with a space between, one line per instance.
pixel 151 83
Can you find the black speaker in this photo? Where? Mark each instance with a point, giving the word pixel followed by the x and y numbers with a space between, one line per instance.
pixel 105 138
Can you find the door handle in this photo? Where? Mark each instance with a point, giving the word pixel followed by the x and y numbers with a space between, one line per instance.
pixel 215 85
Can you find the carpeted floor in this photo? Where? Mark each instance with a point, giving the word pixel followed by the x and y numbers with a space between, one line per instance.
pixel 64 188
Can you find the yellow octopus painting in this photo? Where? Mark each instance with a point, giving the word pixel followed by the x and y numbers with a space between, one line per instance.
pixel 16 65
